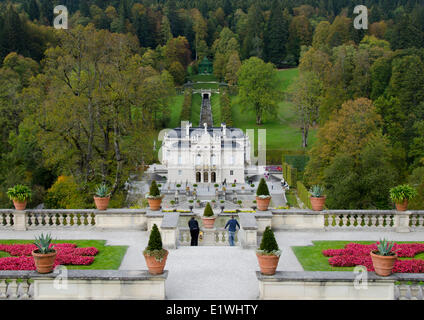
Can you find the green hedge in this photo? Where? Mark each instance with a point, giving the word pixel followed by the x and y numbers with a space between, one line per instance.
pixel 186 109
pixel 303 194
pixel 226 114
pixel 273 156
pixel 289 174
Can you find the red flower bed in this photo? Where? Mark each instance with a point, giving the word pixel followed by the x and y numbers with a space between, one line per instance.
pixel 355 254
pixel 67 254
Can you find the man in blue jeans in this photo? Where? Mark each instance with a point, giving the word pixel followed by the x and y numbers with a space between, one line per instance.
pixel 232 224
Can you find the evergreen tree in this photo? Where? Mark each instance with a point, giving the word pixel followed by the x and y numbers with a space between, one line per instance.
pixel 268 243
pixel 262 188
pixel 276 36
pixel 84 8
pixel 46 10
pixel 33 10
pixel 208 211
pixel 13 35
pixel 155 239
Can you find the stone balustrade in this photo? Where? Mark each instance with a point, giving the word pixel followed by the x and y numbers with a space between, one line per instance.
pixel 210 237
pixel 339 286
pixel 143 219
pixel 360 220
pixel 82 285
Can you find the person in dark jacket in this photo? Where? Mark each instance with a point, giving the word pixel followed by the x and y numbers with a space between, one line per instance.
pixel 232 225
pixel 194 231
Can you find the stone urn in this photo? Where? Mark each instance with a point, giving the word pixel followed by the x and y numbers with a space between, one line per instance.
pixel 402 206
pixel 20 206
pixel 263 203
pixel 317 203
pixel 44 263
pixel 155 266
pixel 383 265
pixel 154 204
pixel 101 203
pixel 268 263
pixel 208 222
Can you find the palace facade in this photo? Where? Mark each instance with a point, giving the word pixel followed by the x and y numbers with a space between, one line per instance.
pixel 206 155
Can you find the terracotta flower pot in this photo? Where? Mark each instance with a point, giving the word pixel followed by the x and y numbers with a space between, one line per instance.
pixel 263 204
pixel 154 204
pixel 208 223
pixel 44 263
pixel 154 266
pixel 402 206
pixel 20 206
pixel 383 265
pixel 317 203
pixel 268 264
pixel 101 203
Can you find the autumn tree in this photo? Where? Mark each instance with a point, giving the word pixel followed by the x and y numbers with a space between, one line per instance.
pixel 306 95
pixel 259 89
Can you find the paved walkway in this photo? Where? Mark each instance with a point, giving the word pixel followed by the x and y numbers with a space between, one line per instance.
pixel 213 272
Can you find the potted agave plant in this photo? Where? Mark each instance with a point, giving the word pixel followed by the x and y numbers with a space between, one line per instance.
pixel 154 254
pixel 45 254
pixel 208 217
pixel 400 195
pixel 154 197
pixel 317 198
pixel 262 196
pixel 19 194
pixel 102 197
pixel 383 259
pixel 268 253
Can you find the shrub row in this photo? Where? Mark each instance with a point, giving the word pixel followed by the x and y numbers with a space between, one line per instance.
pixel 289 174
pixel 303 194
pixel 225 102
pixel 186 109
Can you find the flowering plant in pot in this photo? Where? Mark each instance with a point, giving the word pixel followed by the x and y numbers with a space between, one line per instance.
pixel 262 196
pixel 317 198
pixel 400 195
pixel 45 254
pixel 384 258
pixel 268 253
pixel 102 197
pixel 19 194
pixel 208 217
pixel 154 197
pixel 154 254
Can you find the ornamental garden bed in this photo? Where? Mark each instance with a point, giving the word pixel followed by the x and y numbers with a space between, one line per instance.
pixel 74 254
pixel 345 255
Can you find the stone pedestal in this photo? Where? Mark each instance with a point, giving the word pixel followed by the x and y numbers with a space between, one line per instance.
pixel 208 237
pixel 19 221
pixel 402 221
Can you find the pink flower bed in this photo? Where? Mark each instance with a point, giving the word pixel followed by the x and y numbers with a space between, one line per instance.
pixel 355 254
pixel 67 254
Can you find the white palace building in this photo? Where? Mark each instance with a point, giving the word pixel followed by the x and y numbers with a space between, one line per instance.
pixel 205 155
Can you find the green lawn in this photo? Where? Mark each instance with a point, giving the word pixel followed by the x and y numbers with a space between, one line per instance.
pixel 196 106
pixel 216 110
pixel 312 259
pixel 202 78
pixel 282 133
pixel 108 258
pixel 176 106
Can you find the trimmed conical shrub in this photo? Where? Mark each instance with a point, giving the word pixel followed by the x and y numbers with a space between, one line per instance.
pixel 208 211
pixel 155 240
pixel 262 188
pixel 154 190
pixel 268 243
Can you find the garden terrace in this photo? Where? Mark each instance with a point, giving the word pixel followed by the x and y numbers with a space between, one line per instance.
pixel 339 286
pixel 82 285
